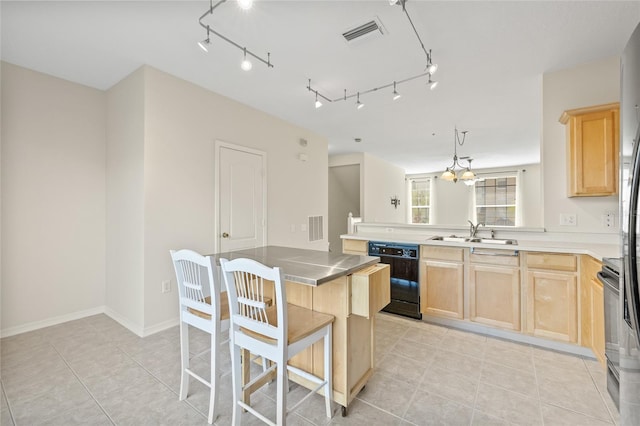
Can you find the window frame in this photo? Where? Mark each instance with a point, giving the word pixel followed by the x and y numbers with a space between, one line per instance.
pixel 516 204
pixel 429 207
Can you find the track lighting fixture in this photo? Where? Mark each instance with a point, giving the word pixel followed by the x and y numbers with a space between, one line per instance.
pixel 430 69
pixel 246 64
pixel 318 103
pixel 396 95
pixel 245 4
pixel 204 44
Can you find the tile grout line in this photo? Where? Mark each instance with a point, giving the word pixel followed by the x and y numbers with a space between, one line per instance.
pixel 8 404
pixel 83 384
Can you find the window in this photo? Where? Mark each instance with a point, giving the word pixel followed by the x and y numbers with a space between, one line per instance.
pixel 419 192
pixel 496 201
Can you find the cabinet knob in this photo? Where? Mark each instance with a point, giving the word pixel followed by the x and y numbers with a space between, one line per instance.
pixel 225 235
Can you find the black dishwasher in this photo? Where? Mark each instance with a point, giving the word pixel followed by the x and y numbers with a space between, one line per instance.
pixel 404 262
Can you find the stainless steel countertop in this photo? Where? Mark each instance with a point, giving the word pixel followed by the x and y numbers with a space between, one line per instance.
pixel 311 267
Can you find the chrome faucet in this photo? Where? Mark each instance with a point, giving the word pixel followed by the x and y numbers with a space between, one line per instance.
pixel 473 230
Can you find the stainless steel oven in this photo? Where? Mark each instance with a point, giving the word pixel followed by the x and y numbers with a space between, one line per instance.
pixel 404 261
pixel 610 278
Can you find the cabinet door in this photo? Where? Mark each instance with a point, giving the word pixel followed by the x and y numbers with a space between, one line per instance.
pixel 441 288
pixel 593 151
pixel 597 320
pixel 494 296
pixel 552 305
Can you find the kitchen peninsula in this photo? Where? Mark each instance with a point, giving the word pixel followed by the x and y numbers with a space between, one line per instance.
pixel 350 287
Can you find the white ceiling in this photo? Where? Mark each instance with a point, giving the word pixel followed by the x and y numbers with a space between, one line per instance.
pixel 491 58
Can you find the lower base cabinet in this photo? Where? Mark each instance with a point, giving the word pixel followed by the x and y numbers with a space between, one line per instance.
pixel 494 296
pixel 552 305
pixel 442 282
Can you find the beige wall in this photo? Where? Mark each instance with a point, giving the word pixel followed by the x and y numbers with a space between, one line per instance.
pixel 53 199
pixel 183 121
pixel 98 186
pixel 125 201
pixel 379 181
pixel 590 84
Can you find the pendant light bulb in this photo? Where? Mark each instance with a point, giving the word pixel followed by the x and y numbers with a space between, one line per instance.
pixel 246 64
pixel 318 103
pixel 432 68
pixel 396 95
pixel 359 104
pixel 245 4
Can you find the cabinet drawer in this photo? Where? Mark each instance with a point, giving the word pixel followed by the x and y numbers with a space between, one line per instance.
pixel 370 290
pixel 355 247
pixel 552 261
pixel 495 257
pixel 442 253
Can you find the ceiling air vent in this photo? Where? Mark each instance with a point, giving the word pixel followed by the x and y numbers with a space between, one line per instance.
pixel 373 27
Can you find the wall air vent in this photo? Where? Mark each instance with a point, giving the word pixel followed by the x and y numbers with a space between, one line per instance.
pixel 373 27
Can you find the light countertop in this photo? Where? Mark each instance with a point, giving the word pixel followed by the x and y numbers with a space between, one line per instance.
pixel 311 267
pixel 595 250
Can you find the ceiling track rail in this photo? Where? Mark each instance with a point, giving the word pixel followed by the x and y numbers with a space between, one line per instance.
pixel 209 11
pixel 430 69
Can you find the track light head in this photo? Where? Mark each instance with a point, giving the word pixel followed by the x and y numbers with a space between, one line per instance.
pixel 245 4
pixel 432 84
pixel 432 68
pixel 204 44
pixel 396 95
pixel 359 104
pixel 246 64
pixel 318 103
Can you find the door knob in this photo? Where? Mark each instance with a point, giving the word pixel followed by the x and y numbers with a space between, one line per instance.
pixel 225 235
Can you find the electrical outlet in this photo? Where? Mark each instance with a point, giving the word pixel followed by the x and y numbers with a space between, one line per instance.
pixel 609 219
pixel 166 286
pixel 568 219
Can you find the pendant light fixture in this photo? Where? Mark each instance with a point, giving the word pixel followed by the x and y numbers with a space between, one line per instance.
pixel 452 172
pixel 359 104
pixel 204 45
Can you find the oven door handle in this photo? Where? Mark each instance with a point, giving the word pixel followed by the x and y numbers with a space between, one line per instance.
pixel 608 281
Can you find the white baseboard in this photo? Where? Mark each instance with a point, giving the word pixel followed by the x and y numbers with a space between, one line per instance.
pixel 125 322
pixel 134 328
pixel 148 331
pixel 35 325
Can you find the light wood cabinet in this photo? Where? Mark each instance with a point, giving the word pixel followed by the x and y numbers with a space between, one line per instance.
pixel 591 307
pixel 370 290
pixel 442 281
pixel 592 150
pixel 552 305
pixel 494 288
pixel 353 335
pixel 359 247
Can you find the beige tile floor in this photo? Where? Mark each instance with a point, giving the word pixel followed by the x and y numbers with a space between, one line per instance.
pixel 95 372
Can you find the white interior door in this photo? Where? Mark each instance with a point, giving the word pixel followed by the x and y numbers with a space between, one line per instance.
pixel 241 201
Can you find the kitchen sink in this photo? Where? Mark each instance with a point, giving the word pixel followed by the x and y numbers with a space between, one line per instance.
pixel 456 239
pixel 451 238
pixel 492 241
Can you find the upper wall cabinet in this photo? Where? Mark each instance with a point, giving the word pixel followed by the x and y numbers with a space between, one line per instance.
pixel 592 150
